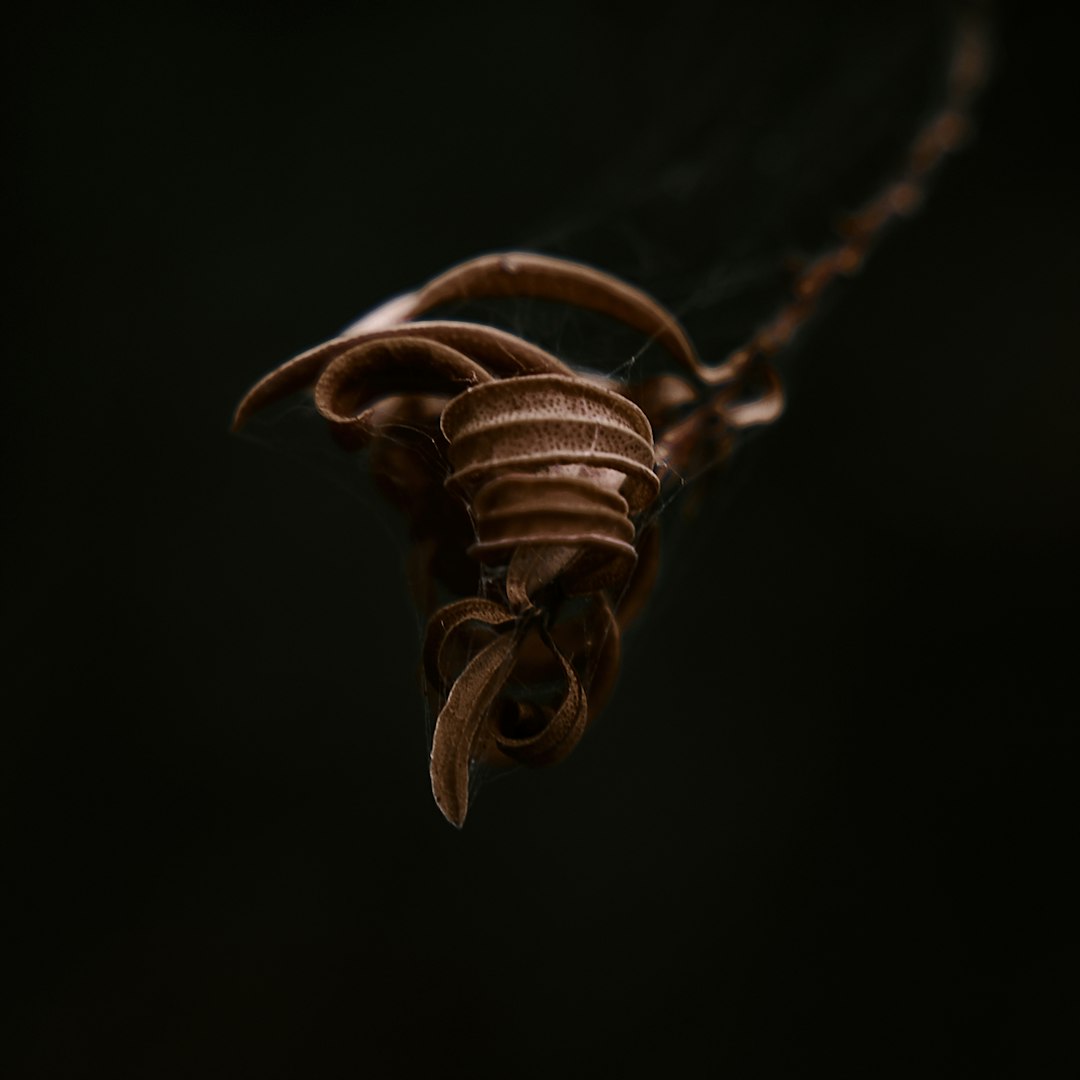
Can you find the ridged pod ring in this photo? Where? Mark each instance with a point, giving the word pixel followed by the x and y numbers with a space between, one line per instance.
pixel 558 424
pixel 552 462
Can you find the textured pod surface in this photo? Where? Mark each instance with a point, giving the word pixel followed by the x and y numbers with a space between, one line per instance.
pixel 534 508
pixel 549 421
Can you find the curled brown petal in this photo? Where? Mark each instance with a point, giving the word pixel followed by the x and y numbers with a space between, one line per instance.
pixel 560 732
pixel 464 726
pixel 501 353
pixel 761 410
pixel 461 728
pixel 521 273
pixel 446 621
pixel 349 389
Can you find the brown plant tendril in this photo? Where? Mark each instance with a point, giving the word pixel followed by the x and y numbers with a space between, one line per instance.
pixel 544 476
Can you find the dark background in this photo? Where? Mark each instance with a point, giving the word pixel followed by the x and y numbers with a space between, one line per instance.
pixel 825 822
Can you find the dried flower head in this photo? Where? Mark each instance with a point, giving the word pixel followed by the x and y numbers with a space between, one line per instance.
pixel 502 457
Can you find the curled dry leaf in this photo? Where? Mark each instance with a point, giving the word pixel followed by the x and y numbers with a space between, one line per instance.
pixel 545 476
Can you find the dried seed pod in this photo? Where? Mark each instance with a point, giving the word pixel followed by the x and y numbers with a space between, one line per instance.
pixel 553 472
pixel 544 476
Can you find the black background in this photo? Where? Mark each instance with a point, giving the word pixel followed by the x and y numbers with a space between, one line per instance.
pixel 827 820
